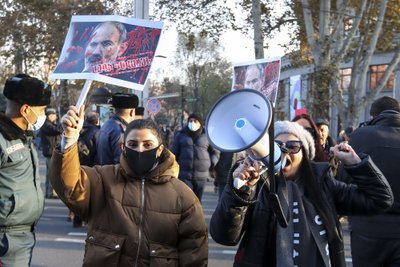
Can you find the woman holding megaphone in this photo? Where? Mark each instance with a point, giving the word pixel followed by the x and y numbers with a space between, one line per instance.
pixel 311 201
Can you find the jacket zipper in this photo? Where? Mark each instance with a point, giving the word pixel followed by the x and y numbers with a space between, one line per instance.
pixel 140 222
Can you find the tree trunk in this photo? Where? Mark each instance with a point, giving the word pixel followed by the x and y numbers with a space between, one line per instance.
pixel 64 99
pixel 258 32
pixel 19 53
pixel 359 95
pixel 319 92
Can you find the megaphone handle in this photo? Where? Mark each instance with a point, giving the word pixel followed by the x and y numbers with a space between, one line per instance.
pixel 238 183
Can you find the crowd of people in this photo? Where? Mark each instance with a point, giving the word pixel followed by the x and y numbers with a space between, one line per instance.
pixel 118 171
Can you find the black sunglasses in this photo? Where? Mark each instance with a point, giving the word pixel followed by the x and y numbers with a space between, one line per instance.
pixel 290 147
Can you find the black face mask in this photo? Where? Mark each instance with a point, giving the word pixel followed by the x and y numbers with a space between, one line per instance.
pixel 141 163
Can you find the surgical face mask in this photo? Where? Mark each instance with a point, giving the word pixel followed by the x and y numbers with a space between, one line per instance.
pixel 141 163
pixel 39 122
pixel 194 126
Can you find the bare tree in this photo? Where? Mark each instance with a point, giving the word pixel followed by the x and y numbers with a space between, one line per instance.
pixel 194 54
pixel 330 45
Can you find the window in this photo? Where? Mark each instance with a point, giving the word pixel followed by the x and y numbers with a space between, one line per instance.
pixel 376 73
pixel 345 78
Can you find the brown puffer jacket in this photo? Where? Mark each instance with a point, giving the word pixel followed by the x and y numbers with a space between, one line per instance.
pixel 156 221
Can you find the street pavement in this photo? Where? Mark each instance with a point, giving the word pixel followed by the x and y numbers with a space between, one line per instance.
pixel 59 244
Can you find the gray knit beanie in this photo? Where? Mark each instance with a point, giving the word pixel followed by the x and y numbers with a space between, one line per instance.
pixel 288 127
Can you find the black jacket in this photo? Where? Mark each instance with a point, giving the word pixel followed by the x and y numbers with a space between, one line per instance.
pixel 223 166
pixel 87 145
pixel 254 225
pixel 50 137
pixel 381 140
pixel 195 156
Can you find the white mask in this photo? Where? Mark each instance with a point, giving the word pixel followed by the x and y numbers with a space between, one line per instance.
pixel 39 122
pixel 194 126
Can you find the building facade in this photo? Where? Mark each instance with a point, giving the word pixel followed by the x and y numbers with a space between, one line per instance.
pixel 295 84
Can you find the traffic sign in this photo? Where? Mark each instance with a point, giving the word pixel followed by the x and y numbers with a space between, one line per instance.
pixel 153 106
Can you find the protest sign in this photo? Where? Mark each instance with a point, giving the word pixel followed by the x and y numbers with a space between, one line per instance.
pixel 111 49
pixel 261 75
pixel 295 96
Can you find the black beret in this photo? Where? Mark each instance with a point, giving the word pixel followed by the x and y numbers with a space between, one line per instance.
pixel 124 101
pixel 25 89
pixel 139 111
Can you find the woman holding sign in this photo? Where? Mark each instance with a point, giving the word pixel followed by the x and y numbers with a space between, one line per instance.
pixel 138 212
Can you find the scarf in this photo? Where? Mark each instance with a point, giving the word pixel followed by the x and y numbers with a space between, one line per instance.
pixel 304 242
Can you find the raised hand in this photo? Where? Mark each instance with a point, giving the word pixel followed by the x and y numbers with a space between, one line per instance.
pixel 248 171
pixel 72 122
pixel 345 153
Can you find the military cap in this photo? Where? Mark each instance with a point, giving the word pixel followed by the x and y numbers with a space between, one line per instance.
pixel 25 89
pixel 124 101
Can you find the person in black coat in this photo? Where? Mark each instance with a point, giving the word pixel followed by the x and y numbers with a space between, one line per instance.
pixel 375 241
pixel 195 156
pixel 110 136
pixel 50 137
pixel 311 200
pixel 87 139
pixel 221 170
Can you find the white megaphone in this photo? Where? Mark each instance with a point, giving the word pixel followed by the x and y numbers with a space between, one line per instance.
pixel 239 121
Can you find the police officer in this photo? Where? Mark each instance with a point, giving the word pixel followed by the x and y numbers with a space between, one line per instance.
pixel 21 198
pixel 111 133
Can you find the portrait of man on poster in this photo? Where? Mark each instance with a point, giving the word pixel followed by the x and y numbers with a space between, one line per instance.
pixel 261 75
pixel 106 43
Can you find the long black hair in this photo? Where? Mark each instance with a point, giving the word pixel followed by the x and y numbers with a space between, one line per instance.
pixel 313 191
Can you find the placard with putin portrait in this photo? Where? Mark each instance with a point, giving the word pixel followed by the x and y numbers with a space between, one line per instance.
pixel 112 49
pixel 261 75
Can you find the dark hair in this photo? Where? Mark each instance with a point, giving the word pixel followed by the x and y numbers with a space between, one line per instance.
pixel 139 111
pixel 92 118
pixel 314 192
pixel 145 124
pixel 319 151
pixel 384 103
pixel 349 130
